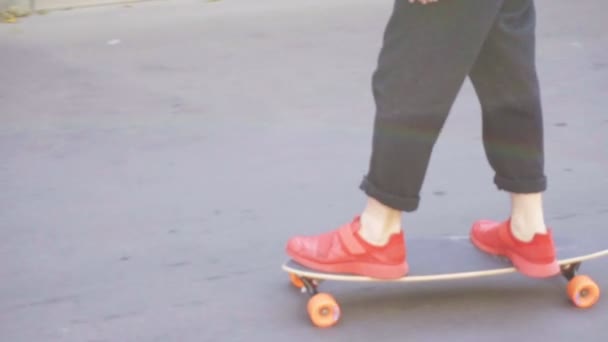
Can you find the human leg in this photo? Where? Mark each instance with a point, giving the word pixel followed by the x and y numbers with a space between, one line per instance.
pixel 505 79
pixel 426 54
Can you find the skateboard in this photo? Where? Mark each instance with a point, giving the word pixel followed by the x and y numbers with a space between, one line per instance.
pixel 459 259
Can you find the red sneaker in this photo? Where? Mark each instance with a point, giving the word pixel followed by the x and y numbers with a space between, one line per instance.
pixel 534 259
pixel 344 251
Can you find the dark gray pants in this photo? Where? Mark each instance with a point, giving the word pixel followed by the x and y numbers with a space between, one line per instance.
pixel 427 53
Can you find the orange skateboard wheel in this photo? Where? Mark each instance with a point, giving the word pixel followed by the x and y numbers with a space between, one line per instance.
pixel 296 281
pixel 323 310
pixel 583 291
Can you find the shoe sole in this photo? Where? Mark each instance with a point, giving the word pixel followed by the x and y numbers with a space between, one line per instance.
pixel 530 269
pixel 357 268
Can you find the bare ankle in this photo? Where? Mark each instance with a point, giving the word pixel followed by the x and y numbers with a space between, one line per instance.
pixel 527 216
pixel 379 222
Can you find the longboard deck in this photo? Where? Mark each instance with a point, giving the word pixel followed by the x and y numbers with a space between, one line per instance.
pixel 455 257
pixel 449 258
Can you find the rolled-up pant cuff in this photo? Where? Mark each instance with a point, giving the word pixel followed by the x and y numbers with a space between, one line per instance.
pixel 407 204
pixel 521 186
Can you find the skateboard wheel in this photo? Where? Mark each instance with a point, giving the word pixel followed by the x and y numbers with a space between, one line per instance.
pixel 296 281
pixel 583 291
pixel 323 310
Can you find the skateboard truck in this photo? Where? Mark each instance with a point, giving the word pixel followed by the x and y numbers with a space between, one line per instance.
pixel 309 286
pixel 569 271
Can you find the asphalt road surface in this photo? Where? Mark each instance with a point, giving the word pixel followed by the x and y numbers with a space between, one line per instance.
pixel 154 159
